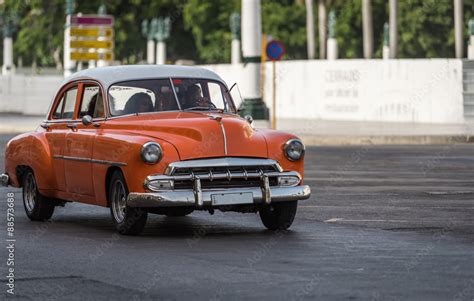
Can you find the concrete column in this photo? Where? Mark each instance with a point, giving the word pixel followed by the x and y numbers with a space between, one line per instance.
pixel 7 56
pixel 161 52
pixel 235 55
pixel 310 29
pixel 386 47
pixel 393 29
pixel 252 49
pixel 69 64
pixel 368 30
pixel 458 28
pixel 332 51
pixel 471 40
pixel 322 19
pixel 150 51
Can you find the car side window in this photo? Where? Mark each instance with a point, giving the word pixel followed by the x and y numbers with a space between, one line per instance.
pixel 65 108
pixel 92 102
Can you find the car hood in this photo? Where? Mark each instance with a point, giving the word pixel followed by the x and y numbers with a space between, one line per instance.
pixel 199 134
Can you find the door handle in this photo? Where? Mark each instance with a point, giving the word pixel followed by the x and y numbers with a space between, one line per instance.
pixel 72 126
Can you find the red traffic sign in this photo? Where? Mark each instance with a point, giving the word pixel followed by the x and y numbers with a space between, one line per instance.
pixel 275 50
pixel 94 20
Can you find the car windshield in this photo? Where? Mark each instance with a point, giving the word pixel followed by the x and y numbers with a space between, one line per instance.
pixel 157 95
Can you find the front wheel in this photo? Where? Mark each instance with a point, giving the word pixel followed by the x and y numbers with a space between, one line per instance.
pixel 127 220
pixel 278 216
pixel 37 207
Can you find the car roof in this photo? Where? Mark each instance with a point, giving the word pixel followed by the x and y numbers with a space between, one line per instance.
pixel 110 75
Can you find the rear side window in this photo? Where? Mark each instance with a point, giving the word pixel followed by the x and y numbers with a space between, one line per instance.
pixel 65 108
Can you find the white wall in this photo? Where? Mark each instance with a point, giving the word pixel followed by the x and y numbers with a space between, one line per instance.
pixel 423 90
pixel 30 95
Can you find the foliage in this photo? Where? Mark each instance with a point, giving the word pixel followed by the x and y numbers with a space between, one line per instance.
pixel 200 29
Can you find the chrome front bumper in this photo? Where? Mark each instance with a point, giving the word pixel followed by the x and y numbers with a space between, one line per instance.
pixel 204 198
pixel 4 178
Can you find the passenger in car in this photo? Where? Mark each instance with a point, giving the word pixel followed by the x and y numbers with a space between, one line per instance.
pixel 139 103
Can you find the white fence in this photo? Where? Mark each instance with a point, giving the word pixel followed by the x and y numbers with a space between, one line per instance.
pixel 415 91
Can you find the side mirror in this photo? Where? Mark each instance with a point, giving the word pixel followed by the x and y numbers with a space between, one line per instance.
pixel 87 120
pixel 249 119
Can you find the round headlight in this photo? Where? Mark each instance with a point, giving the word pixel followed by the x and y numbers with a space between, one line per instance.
pixel 151 152
pixel 294 149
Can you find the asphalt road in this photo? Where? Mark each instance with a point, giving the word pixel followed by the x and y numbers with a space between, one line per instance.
pixel 383 223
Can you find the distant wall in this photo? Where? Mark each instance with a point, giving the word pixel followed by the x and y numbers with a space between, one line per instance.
pixel 420 91
pixel 30 95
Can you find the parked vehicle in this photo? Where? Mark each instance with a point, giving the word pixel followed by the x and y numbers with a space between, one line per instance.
pixel 154 139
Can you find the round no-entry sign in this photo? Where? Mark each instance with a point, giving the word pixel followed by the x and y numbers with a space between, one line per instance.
pixel 275 50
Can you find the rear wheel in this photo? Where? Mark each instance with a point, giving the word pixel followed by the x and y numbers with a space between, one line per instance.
pixel 127 220
pixel 37 207
pixel 278 216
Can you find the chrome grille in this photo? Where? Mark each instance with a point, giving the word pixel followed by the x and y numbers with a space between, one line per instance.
pixel 229 176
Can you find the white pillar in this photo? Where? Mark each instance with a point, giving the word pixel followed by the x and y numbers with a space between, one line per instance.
pixel 332 49
pixel 160 53
pixel 458 28
pixel 68 63
pixel 386 52
pixel 7 56
pixel 251 47
pixel 367 29
pixel 310 30
pixel 235 54
pixel 150 51
pixel 393 36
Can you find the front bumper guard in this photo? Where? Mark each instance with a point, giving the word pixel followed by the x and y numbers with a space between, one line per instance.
pixel 204 198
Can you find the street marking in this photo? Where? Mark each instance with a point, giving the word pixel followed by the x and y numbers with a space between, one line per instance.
pixel 334 220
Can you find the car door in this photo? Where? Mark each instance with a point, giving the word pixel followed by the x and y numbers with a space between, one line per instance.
pixel 80 141
pixel 57 128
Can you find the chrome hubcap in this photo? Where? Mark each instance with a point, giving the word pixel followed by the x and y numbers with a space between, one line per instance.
pixel 119 201
pixel 29 193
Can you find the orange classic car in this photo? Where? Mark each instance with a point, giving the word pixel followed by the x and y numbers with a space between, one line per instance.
pixel 154 139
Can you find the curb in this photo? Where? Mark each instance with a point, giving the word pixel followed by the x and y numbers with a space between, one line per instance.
pixel 379 140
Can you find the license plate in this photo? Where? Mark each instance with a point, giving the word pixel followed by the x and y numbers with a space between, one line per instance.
pixel 232 198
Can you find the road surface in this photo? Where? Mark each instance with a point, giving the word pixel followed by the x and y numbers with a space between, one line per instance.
pixel 383 223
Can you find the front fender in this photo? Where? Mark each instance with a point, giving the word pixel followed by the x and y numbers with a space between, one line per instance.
pixel 124 149
pixel 275 143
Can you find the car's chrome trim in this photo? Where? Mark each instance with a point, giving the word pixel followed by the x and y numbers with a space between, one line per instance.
pixel 4 179
pixel 224 136
pixel 220 176
pixel 188 197
pixel 90 160
pixel 222 162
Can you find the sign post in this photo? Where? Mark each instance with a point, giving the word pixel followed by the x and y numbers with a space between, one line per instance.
pixel 274 51
pixel 88 38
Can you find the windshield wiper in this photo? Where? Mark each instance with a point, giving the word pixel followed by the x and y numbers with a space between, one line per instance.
pixel 204 109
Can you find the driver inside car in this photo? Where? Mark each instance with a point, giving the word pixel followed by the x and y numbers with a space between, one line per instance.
pixel 194 98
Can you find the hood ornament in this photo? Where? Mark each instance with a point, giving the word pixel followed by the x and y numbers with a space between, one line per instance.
pixel 215 117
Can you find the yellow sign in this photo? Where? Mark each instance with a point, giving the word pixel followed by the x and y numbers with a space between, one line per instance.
pixel 92 44
pixel 92 32
pixel 91 56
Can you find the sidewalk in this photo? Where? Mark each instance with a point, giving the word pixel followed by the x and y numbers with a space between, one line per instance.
pixel 323 132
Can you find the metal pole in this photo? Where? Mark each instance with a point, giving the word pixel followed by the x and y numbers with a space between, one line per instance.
pixel 322 14
pixel 310 29
pixel 393 35
pixel 458 28
pixel 274 95
pixel 368 31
